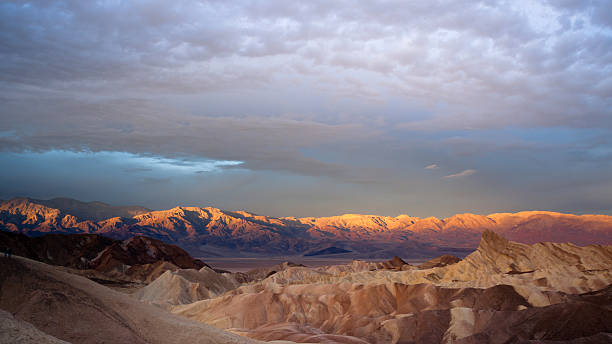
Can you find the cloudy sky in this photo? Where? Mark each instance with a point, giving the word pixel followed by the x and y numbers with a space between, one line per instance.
pixel 283 108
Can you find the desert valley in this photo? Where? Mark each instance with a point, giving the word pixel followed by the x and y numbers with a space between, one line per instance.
pixel 76 278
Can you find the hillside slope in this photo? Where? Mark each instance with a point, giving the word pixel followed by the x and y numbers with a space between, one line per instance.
pixel 77 310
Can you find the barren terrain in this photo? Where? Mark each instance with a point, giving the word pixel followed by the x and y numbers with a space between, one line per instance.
pixel 503 292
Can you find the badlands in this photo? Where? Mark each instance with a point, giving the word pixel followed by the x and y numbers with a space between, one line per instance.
pixel 503 292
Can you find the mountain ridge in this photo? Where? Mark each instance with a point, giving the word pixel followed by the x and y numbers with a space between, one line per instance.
pixel 199 229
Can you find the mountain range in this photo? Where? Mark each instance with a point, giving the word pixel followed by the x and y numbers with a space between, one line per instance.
pixel 210 231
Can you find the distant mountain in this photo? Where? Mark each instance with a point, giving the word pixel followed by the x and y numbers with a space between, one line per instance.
pixel 93 211
pixel 202 230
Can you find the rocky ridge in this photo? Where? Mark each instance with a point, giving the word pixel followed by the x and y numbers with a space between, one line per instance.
pixel 208 231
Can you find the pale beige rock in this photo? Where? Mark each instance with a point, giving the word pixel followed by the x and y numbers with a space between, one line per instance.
pixel 78 310
pixel 186 286
pixel 461 324
pixel 387 306
pixel 531 268
pixel 14 331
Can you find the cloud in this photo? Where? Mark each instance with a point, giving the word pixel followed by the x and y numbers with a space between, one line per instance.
pixel 336 91
pixel 150 180
pixel 431 167
pixel 469 65
pixel 257 143
pixel 137 169
pixel 461 174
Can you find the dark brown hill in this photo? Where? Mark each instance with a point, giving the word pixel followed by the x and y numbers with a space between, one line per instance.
pixel 142 250
pixel 92 251
pixel 71 250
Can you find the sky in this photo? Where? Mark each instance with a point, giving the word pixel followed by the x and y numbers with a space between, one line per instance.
pixel 426 108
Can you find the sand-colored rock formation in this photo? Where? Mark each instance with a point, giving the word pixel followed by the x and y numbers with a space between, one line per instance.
pixel 77 310
pixel 535 288
pixel 439 262
pixel 186 286
pixel 583 318
pixel 147 273
pixel 261 273
pixel 396 263
pixel 551 266
pixel 376 313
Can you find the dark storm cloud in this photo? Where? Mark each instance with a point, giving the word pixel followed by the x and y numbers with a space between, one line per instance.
pixel 360 92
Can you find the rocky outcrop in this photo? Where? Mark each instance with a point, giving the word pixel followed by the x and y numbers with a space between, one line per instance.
pixel 393 264
pixel 186 286
pixel 147 273
pixel 564 267
pixel 261 273
pixel 581 319
pixel 439 262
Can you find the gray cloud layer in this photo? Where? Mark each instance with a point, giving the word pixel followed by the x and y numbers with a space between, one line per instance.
pixel 366 93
